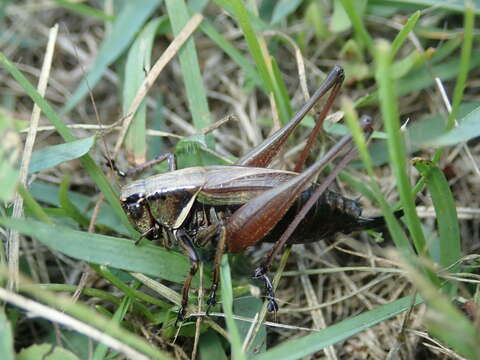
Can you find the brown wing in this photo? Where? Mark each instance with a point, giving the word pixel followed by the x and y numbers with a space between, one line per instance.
pixel 235 185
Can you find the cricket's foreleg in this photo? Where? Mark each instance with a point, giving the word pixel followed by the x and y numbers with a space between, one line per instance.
pixel 154 230
pixel 187 245
pixel 212 300
pixel 142 167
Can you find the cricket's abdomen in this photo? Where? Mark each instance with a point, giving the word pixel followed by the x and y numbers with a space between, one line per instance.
pixel 332 214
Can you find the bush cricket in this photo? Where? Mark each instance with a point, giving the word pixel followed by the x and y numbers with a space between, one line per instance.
pixel 240 205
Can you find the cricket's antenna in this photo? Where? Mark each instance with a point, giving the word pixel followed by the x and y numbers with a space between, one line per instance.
pixel 102 127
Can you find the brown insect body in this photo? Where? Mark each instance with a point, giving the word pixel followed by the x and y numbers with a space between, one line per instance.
pixel 167 199
pixel 240 205
pixel 185 199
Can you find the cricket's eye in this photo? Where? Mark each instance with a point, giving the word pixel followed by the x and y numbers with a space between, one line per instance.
pixel 134 206
pixel 135 210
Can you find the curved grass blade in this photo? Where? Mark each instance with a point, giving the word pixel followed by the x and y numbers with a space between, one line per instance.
pixel 106 250
pixel 351 8
pixel 84 10
pixel 32 205
pixel 53 155
pixel 452 5
pixel 138 63
pixel 93 318
pixel 445 210
pixel 468 128
pixel 298 348
pixel 402 34
pixel 396 146
pixel 231 51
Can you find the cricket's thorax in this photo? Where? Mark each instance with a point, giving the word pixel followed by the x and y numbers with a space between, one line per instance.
pixel 167 199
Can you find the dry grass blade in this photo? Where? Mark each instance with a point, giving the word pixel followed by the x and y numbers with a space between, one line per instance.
pixel 14 237
pixel 160 64
pixel 39 310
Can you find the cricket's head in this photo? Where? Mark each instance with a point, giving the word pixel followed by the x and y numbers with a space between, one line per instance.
pixel 134 203
pixel 135 206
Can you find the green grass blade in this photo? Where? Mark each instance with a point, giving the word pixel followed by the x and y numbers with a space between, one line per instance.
pixel 260 56
pixel 414 60
pixel 45 351
pixel 357 23
pixel 6 337
pixel 231 51
pixel 196 95
pixel 62 129
pixel 53 155
pixel 453 5
pixel 283 8
pixel 446 49
pixel 101 350
pixel 445 210
pixel 126 25
pixel 210 347
pixel 129 291
pixel 469 128
pixel 298 348
pixel 69 208
pixel 280 88
pixel 248 307
pixel 227 303
pixel 422 78
pixel 425 132
pixel 102 249
pixel 84 10
pixel 32 205
pixel 50 194
pixel 469 22
pixel 396 147
pixel 394 227
pixel 138 62
pixel 402 35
